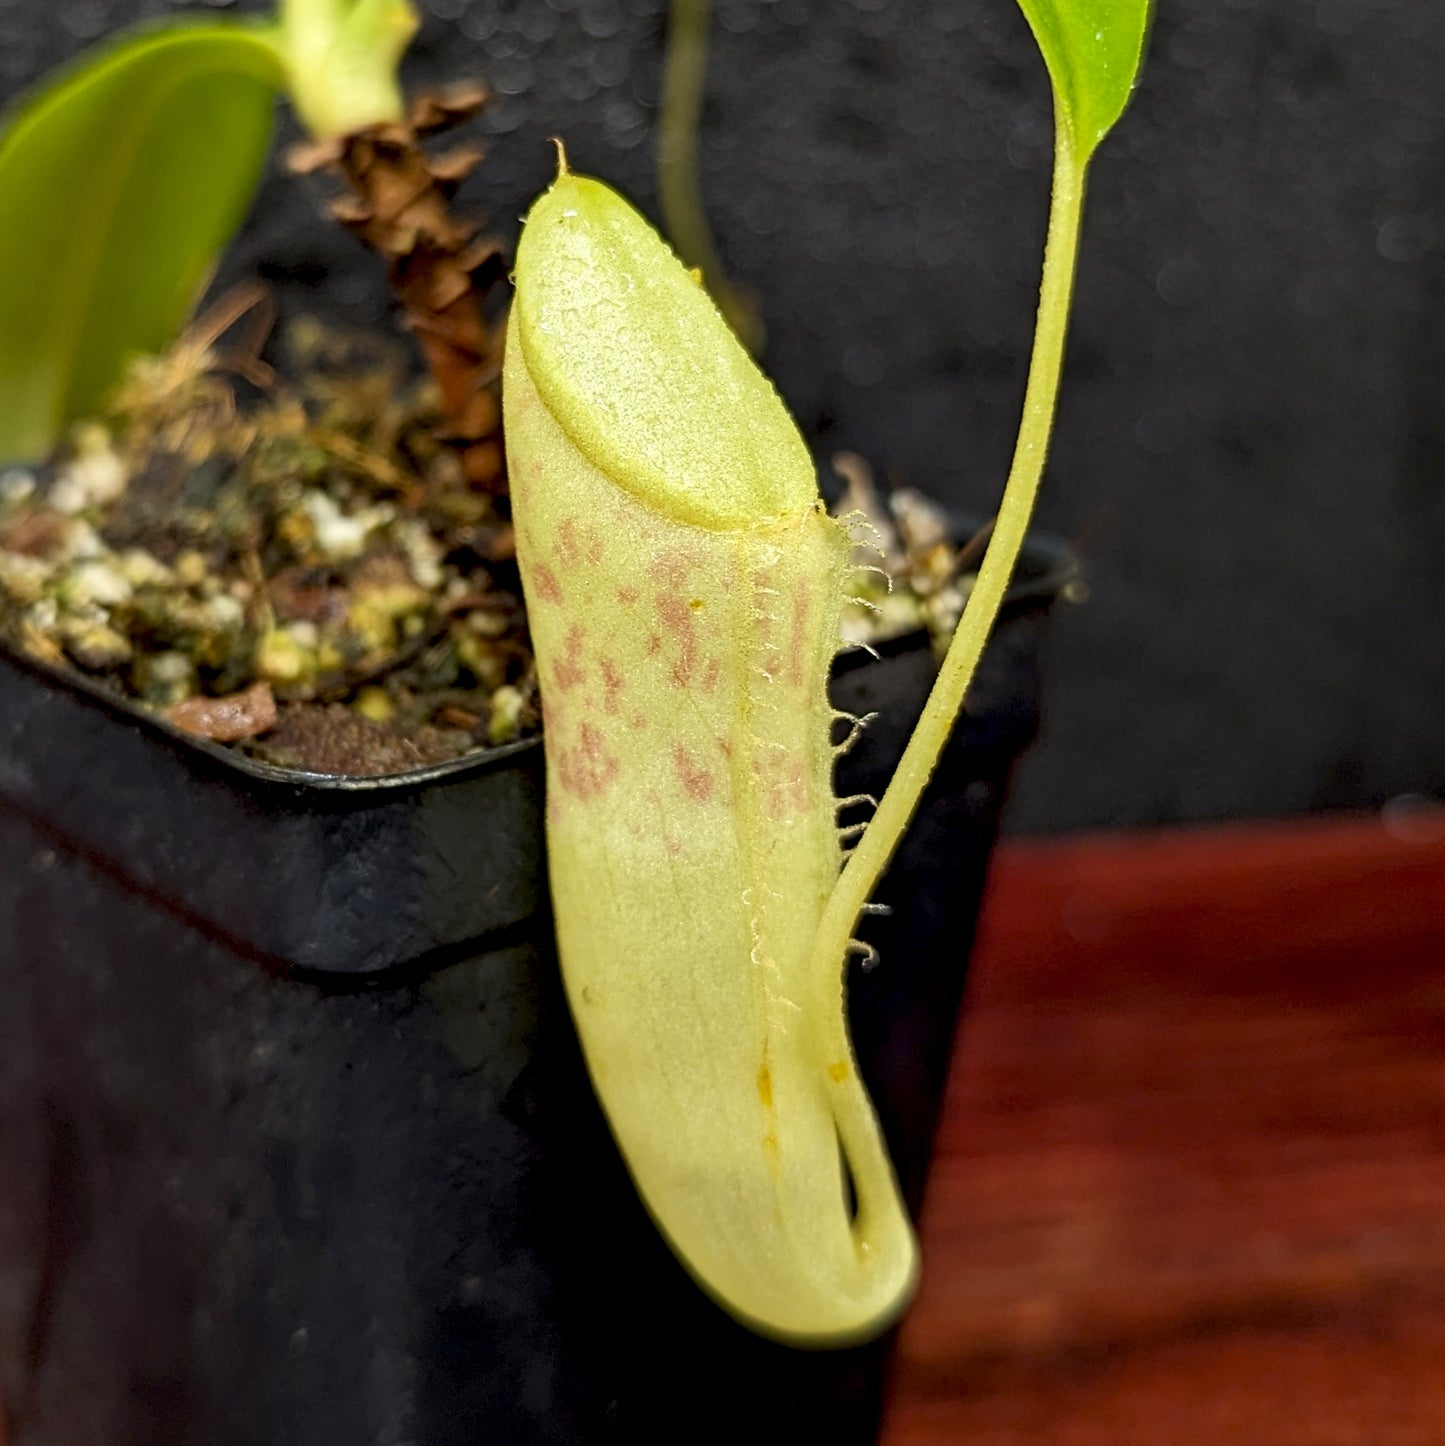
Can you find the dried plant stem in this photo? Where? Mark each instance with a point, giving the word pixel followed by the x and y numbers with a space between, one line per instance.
pixel 439 268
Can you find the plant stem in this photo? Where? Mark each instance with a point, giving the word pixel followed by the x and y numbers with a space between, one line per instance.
pixel 679 190
pixel 870 858
pixel 342 58
pixel 439 269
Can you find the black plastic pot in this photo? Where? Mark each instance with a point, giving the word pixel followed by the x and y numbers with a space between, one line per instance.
pixel 296 1144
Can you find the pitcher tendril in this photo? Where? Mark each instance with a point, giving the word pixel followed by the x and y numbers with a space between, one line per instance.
pixel 880 839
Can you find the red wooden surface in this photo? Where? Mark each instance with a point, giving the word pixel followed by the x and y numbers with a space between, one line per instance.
pixel 1191 1179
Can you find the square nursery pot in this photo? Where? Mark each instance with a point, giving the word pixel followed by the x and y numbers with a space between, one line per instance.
pixel 296 1143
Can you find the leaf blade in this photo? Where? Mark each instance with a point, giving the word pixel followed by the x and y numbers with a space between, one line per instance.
pixel 120 183
pixel 1094 50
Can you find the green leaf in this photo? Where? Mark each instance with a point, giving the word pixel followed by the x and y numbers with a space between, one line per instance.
pixel 1093 49
pixel 120 184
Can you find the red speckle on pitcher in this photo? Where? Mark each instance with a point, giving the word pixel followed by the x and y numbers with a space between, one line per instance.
pixel 611 687
pixel 544 582
pixel 677 618
pixel 587 770
pixel 697 782
pixel 568 670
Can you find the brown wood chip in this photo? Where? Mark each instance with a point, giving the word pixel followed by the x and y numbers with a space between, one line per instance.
pixel 227 720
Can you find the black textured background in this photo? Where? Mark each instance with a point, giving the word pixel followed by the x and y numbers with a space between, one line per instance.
pixel 1250 445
